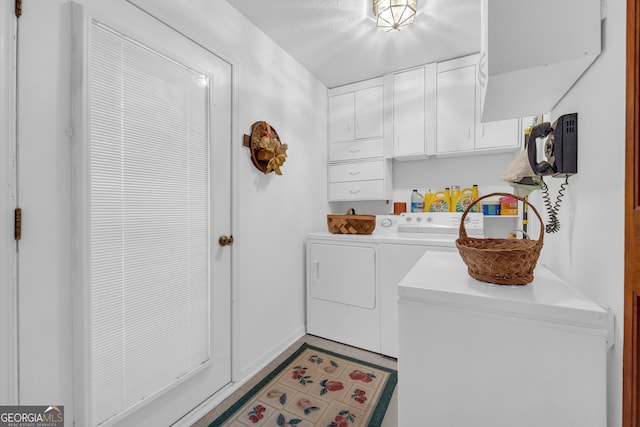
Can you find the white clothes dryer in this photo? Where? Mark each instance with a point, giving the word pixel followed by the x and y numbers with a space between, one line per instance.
pixel 352 280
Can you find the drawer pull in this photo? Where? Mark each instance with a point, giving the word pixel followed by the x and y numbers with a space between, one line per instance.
pixel 354 173
pixel 354 150
pixel 354 191
pixel 316 264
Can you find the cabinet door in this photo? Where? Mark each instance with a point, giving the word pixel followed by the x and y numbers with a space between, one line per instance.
pixel 409 113
pixel 369 113
pixel 456 110
pixel 500 134
pixel 343 274
pixel 341 116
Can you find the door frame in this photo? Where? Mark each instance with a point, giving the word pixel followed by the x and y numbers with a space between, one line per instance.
pixel 9 391
pixel 631 352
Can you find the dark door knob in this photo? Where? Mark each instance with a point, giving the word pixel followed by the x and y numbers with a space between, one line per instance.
pixel 225 240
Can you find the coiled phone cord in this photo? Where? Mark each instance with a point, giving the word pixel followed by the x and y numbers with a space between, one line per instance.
pixel 553 224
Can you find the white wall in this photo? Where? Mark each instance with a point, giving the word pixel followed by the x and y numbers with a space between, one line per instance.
pixel 271 214
pixel 588 251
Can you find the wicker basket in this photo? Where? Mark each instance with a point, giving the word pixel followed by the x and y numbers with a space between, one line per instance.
pixel 500 261
pixel 351 223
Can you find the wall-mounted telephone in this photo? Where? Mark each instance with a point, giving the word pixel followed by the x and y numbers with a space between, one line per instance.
pixel 561 147
pixel 561 152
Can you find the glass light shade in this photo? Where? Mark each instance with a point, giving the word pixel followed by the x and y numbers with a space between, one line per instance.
pixel 393 15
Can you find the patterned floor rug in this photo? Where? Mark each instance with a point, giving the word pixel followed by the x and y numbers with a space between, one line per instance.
pixel 315 388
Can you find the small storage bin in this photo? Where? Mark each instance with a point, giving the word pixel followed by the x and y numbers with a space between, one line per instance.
pixel 491 208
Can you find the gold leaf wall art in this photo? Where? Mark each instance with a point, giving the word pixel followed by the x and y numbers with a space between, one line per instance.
pixel 268 153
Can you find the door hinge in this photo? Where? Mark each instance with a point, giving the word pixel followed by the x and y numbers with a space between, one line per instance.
pixel 18 223
pixel 18 8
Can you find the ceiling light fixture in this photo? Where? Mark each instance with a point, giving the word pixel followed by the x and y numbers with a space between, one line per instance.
pixel 393 15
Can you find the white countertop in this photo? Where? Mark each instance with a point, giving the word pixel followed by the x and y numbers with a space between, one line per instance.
pixel 441 278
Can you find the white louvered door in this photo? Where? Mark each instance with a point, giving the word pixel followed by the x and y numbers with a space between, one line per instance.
pixel 153 112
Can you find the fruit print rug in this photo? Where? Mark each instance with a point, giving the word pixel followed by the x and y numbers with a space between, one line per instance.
pixel 315 388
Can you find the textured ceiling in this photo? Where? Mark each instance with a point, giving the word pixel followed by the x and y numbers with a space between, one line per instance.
pixel 337 40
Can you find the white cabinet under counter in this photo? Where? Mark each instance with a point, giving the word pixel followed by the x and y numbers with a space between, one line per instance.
pixel 478 354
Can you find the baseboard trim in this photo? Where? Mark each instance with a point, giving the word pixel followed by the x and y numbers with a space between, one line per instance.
pixel 269 355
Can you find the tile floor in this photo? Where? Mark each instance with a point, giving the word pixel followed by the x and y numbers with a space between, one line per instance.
pixel 391 417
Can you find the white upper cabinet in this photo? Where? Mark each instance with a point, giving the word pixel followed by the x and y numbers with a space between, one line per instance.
pixel 497 135
pixel 369 113
pixel 341 117
pixel 356 111
pixel 414 112
pixel 459 128
pixel 533 52
pixel 456 107
pixel 359 168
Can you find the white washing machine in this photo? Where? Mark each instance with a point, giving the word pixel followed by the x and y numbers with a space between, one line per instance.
pixel 352 280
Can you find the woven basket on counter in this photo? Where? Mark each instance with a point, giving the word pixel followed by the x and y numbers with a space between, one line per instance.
pixel 500 261
pixel 350 223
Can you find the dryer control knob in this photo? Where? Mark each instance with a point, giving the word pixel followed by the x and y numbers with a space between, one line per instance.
pixel 386 222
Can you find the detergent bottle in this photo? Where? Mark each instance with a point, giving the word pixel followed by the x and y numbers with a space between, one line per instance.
pixel 455 194
pixel 466 197
pixel 417 202
pixel 441 201
pixel 428 198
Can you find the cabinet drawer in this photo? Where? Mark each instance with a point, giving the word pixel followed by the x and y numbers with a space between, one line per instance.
pixel 353 150
pixel 357 190
pixel 360 171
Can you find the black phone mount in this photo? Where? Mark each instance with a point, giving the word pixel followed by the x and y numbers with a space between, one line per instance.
pixel 561 148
